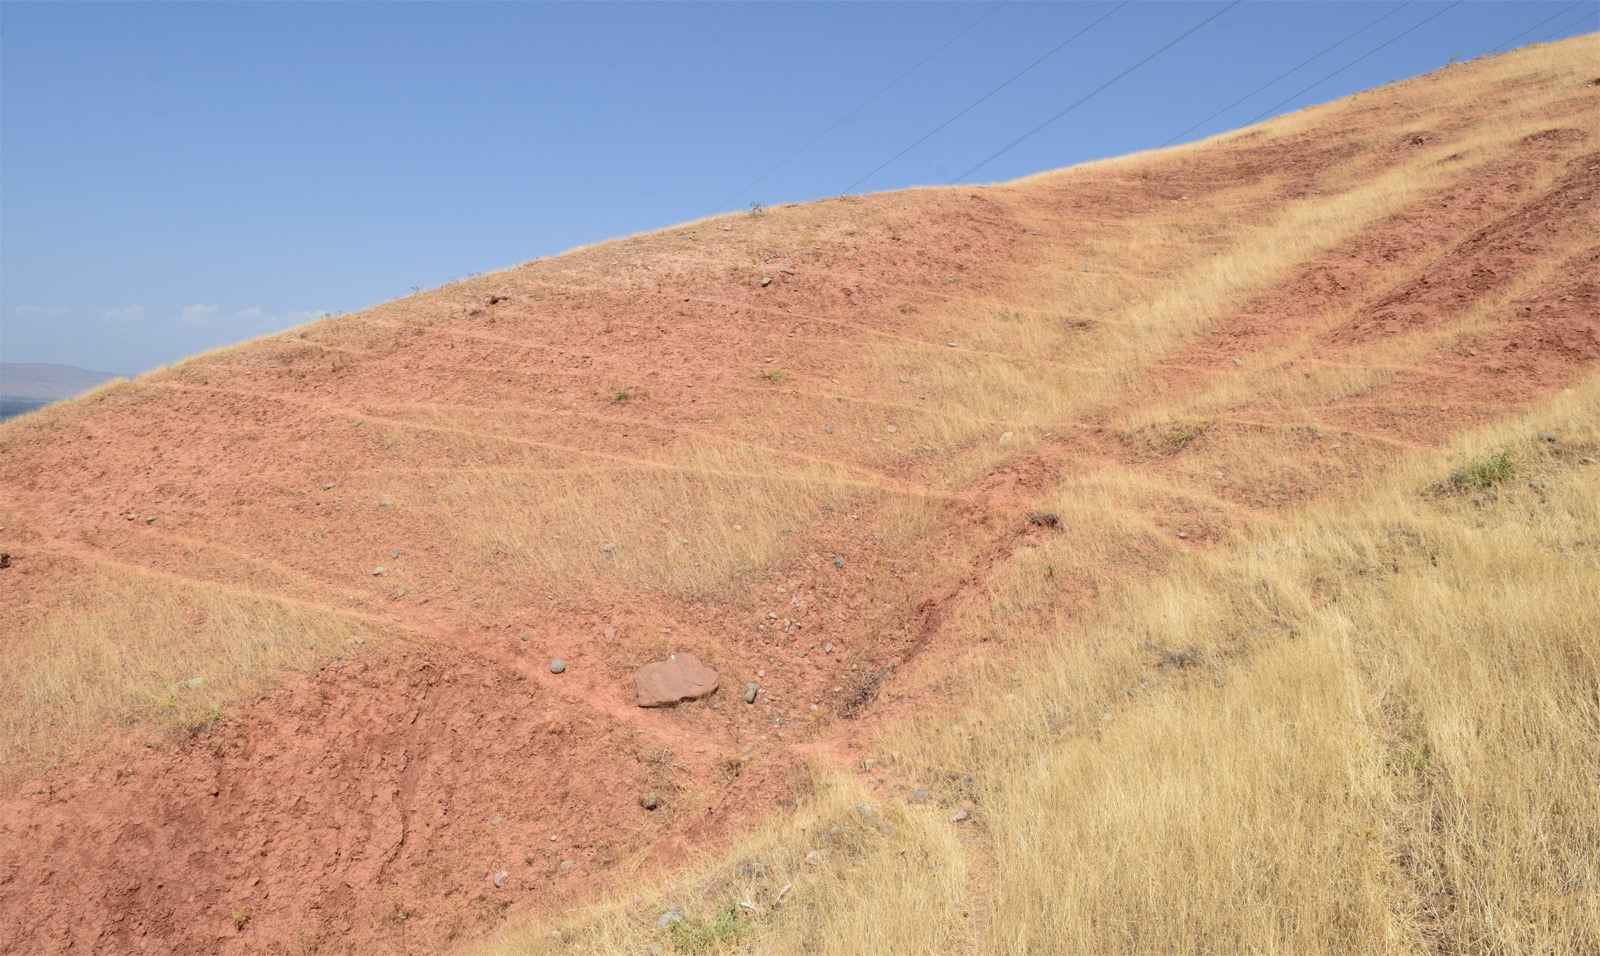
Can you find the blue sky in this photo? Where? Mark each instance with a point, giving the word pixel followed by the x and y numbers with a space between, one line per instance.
pixel 177 176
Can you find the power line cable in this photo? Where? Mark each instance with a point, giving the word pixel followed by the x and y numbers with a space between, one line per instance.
pixel 1536 26
pixel 985 96
pixel 1564 29
pixel 1096 91
pixel 864 104
pixel 1302 65
pixel 1358 59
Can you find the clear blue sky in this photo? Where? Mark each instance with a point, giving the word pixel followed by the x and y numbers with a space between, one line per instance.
pixel 178 176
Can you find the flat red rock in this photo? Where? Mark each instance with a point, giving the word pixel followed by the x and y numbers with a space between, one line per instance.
pixel 680 678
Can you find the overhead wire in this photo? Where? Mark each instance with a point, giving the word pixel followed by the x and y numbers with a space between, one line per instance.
pixel 1061 46
pixel 863 105
pixel 1560 30
pixel 1302 65
pixel 1095 92
pixel 1562 12
pixel 1358 59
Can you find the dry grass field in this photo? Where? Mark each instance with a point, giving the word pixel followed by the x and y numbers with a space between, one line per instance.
pixel 1192 551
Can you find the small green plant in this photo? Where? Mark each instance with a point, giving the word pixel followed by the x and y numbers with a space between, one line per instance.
pixel 1184 433
pixel 621 395
pixel 240 917
pixel 1413 758
pixel 698 932
pixel 1481 472
pixel 775 375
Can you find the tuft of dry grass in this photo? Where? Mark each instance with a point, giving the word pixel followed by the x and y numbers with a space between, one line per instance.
pixel 123 648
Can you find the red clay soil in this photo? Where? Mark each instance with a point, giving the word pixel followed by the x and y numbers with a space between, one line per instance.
pixel 368 804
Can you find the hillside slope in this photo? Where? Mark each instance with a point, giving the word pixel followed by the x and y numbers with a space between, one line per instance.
pixel 279 620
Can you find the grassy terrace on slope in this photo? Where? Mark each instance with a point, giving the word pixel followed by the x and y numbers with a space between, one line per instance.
pixel 1370 727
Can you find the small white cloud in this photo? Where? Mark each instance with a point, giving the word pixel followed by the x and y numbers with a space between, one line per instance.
pixel 199 314
pixel 131 313
pixel 39 310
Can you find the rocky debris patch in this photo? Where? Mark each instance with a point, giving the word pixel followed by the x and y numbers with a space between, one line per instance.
pixel 679 678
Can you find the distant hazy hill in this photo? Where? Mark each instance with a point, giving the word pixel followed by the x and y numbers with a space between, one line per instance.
pixel 25 386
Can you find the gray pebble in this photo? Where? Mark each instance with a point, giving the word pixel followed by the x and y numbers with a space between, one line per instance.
pixel 650 801
pixel 609 546
pixel 814 858
pixel 750 691
pixel 380 569
pixel 960 816
pixel 838 562
pixel 557 666
pixel 495 822
pixel 919 796
pixel 567 865
pixel 394 554
pixel 500 878
pixel 668 918
pixel 1546 436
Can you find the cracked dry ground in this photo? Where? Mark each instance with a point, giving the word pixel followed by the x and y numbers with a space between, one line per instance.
pixel 227 733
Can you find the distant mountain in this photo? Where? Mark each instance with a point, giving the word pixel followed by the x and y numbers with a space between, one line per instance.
pixel 25 386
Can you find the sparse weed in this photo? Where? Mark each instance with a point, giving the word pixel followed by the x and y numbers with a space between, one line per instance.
pixel 1483 471
pixel 775 375
pixel 621 395
pixel 701 932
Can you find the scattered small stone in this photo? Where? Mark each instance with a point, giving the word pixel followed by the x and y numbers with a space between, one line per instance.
pixel 1546 436
pixel 567 865
pixel 890 429
pixel 399 592
pixel 525 635
pixel 609 546
pixel 952 344
pixel 557 666
pixel 611 634
pixel 828 429
pixel 500 879
pixel 1183 534
pixel 814 858
pixel 1238 363
pixel 750 691
pixel 495 822
pixel 668 918
pixel 650 801
pixel 960 816
pixel 194 682
pixel 394 554
pixel 1005 438
pixel 827 648
pixel 149 518
pixel 328 486
pixel 766 282
pixel 380 569
pixel 919 796
pixel 386 504
pixel 838 562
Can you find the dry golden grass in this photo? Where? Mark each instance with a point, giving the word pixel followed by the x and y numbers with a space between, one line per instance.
pixel 124 648
pixel 1370 727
